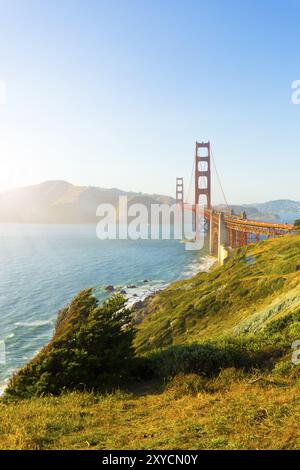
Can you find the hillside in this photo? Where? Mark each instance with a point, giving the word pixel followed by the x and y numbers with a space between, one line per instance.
pixel 62 202
pixel 252 212
pixel 233 411
pixel 257 285
pixel 280 205
pixel 212 367
pixel 283 210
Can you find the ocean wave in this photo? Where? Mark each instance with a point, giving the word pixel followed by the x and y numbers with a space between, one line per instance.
pixel 138 292
pixel 11 335
pixel 201 265
pixel 34 323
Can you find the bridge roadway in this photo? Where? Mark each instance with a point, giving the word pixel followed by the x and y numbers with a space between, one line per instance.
pixel 226 231
pixel 243 224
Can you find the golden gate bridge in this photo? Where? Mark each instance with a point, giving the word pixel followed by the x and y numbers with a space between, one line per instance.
pixel 223 228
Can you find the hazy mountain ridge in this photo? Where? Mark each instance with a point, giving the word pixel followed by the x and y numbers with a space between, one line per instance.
pixel 284 210
pixel 279 205
pixel 62 202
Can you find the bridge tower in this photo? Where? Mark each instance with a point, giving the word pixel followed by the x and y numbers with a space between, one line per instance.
pixel 179 190
pixel 203 174
pixel 203 189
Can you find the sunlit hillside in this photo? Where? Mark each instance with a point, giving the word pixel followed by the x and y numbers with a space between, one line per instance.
pixel 258 284
pixel 212 370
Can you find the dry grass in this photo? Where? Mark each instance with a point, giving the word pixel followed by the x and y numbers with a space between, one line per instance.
pixel 234 413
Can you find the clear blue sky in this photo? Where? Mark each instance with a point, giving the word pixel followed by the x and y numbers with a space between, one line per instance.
pixel 115 93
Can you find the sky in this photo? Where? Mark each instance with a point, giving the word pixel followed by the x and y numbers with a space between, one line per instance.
pixel 115 93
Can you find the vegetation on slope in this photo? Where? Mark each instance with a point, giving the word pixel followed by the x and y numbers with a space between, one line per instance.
pixel 259 283
pixel 91 348
pixel 211 365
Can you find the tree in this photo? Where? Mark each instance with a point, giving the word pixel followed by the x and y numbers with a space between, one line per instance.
pixel 297 223
pixel 91 349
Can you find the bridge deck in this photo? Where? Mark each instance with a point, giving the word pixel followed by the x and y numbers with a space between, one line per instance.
pixel 251 226
pixel 241 224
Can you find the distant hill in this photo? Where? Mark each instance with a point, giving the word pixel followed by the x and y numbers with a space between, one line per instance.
pixel 62 202
pixel 280 205
pixel 283 210
pixel 252 212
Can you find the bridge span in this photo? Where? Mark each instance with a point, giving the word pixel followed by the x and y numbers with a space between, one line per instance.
pixel 224 230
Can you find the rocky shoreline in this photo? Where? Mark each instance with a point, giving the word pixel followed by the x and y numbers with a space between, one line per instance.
pixel 139 295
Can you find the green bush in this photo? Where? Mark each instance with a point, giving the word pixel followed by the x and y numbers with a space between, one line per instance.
pixel 91 349
pixel 203 359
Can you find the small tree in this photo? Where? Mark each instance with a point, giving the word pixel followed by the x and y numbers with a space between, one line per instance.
pixel 297 223
pixel 91 349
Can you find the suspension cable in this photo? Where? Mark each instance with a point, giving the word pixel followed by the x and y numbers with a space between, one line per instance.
pixel 219 180
pixel 191 182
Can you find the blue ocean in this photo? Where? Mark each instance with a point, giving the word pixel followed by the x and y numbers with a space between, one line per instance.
pixel 43 266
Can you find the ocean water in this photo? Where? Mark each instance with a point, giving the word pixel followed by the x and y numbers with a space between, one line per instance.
pixel 43 266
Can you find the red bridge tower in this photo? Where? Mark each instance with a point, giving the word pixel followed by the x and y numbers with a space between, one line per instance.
pixel 179 190
pixel 203 174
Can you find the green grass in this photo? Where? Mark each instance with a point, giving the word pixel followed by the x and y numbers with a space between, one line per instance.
pixel 213 367
pixel 258 284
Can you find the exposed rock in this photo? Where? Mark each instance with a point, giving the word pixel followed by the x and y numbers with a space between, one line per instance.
pixel 110 288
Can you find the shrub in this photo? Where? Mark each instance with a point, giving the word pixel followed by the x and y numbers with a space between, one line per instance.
pixel 91 349
pixel 203 359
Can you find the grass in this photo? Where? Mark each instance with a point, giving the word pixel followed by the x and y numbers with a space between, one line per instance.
pixel 217 348
pixel 259 283
pixel 234 412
